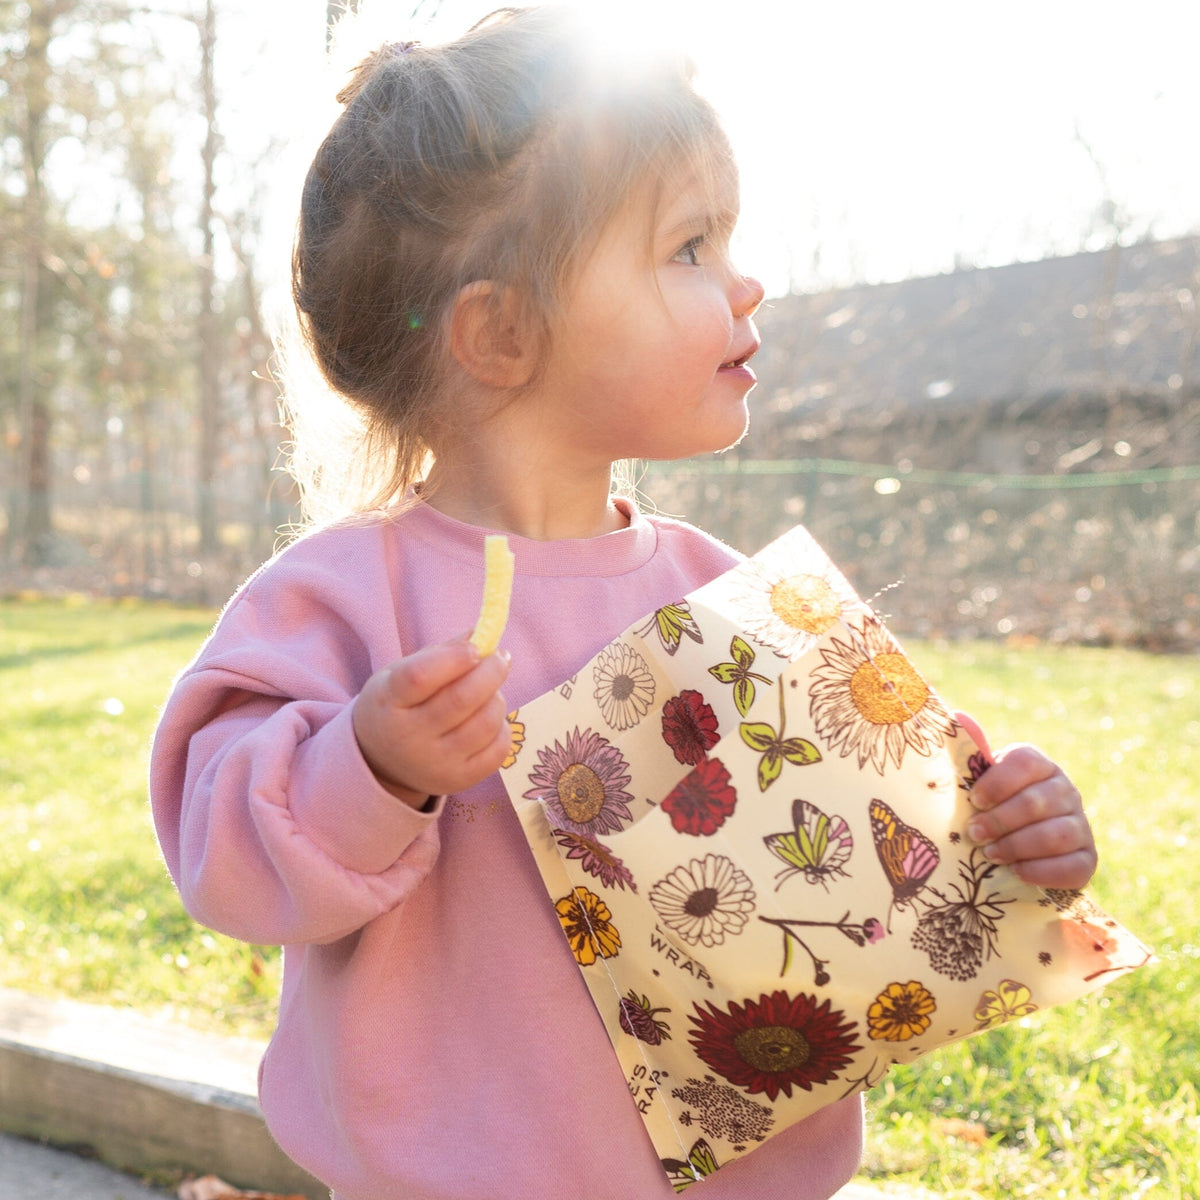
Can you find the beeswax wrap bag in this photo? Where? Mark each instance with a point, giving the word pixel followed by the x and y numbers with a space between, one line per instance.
pixel 749 812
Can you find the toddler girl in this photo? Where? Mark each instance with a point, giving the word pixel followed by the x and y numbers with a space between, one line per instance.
pixel 513 262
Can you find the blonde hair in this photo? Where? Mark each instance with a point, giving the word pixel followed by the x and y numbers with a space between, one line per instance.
pixel 499 156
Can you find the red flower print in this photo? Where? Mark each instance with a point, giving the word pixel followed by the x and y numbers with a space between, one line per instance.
pixel 775 1042
pixel 689 727
pixel 701 802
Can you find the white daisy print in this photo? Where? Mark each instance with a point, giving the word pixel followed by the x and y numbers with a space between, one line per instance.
pixel 624 686
pixel 706 901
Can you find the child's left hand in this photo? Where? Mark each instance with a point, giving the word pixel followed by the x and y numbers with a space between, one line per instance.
pixel 1030 816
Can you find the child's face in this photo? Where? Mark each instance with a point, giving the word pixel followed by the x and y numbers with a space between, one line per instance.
pixel 648 360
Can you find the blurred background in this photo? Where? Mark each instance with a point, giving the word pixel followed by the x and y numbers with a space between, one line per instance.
pixel 979 228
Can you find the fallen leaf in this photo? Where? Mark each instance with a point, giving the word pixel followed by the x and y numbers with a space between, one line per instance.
pixel 964 1131
pixel 210 1187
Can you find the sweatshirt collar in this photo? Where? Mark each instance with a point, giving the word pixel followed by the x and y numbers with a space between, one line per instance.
pixel 608 554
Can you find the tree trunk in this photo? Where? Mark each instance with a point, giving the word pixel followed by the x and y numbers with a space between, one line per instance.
pixel 30 518
pixel 334 9
pixel 210 401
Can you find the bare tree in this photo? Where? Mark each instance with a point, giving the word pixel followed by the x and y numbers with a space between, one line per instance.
pixel 30 521
pixel 334 11
pixel 210 400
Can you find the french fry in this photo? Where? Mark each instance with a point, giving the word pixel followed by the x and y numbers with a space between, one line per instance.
pixel 497 589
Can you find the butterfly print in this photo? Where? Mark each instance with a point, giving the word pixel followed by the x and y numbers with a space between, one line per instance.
pixel 671 623
pixel 819 848
pixel 701 1162
pixel 907 856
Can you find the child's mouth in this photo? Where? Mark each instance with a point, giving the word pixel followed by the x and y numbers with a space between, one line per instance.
pixel 735 364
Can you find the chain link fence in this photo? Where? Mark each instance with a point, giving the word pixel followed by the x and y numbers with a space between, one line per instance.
pixel 1099 558
pixel 1103 559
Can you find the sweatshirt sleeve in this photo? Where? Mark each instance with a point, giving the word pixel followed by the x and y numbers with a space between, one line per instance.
pixel 272 825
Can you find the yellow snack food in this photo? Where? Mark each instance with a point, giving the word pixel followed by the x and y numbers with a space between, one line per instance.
pixel 497 589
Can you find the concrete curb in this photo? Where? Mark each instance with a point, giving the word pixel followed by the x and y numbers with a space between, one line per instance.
pixel 142 1094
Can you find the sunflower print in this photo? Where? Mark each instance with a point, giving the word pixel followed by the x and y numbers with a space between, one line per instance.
pixel 788 610
pixel 868 699
pixel 774 1043
pixel 582 784
pixel 624 686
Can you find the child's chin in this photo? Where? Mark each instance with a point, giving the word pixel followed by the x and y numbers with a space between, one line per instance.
pixel 708 440
pixel 738 436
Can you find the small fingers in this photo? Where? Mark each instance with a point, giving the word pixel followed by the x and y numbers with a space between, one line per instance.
pixel 478 732
pixel 434 722
pixel 464 696
pixel 421 676
pixel 492 753
pixel 1013 770
pixel 1052 838
pixel 1035 803
pixel 1067 871
pixel 472 751
pixel 1030 816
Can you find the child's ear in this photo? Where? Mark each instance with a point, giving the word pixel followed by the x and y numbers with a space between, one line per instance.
pixel 488 336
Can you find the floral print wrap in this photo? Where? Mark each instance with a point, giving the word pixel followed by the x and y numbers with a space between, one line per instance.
pixel 750 815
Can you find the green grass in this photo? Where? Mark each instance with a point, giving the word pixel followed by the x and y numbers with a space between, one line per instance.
pixel 1093 1099
pixel 86 906
pixel 1097 1098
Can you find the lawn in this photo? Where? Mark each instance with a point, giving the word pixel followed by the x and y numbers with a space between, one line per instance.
pixel 1094 1099
pixel 1100 1098
pixel 86 906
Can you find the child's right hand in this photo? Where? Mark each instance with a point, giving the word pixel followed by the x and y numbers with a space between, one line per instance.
pixel 434 722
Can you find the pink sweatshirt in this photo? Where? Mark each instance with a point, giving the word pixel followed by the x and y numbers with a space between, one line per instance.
pixel 436 1040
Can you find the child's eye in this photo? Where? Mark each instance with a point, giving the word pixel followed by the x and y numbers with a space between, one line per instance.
pixel 689 252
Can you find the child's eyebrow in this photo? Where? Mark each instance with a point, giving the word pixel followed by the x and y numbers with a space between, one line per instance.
pixel 708 220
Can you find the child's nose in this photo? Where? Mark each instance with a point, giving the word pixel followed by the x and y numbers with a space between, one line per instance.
pixel 747 295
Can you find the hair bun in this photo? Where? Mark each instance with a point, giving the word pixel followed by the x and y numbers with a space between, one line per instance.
pixel 370 66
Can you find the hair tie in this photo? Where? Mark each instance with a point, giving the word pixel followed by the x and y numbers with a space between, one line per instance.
pixel 400 49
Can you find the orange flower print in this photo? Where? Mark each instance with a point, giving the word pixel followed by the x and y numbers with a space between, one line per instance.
pixel 900 1012
pixel 587 922
pixel 516 733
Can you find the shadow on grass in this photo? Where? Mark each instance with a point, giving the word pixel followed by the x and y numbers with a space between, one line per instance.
pixel 181 629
